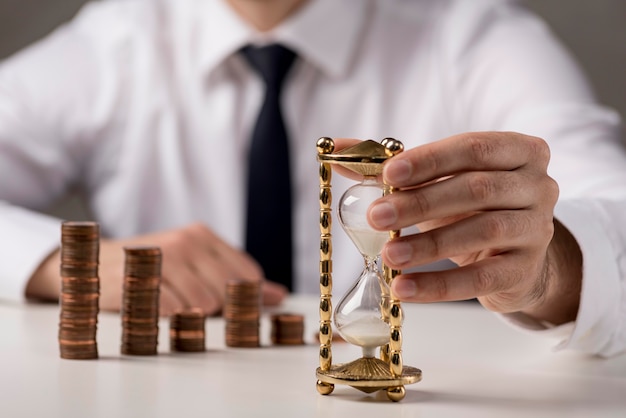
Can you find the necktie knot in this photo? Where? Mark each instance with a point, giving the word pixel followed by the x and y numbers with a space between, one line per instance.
pixel 271 62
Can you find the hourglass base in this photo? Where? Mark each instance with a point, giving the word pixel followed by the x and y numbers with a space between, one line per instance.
pixel 369 374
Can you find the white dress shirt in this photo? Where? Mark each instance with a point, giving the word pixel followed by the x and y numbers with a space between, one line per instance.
pixel 146 106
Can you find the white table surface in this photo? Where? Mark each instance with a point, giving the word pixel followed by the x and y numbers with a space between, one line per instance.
pixel 473 365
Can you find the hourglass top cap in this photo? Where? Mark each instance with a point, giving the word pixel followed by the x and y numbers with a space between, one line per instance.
pixel 364 158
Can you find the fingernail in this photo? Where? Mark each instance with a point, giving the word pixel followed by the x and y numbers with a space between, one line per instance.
pixel 397 171
pixel 383 215
pixel 404 289
pixel 399 252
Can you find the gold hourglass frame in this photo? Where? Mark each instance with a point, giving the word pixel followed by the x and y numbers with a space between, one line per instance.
pixel 366 374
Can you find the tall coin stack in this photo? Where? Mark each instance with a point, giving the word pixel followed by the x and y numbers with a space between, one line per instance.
pixel 80 289
pixel 287 329
pixel 140 301
pixel 187 330
pixel 242 313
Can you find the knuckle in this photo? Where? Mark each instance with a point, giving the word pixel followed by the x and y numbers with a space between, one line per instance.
pixel 175 239
pixel 196 229
pixel 191 235
pixel 539 150
pixel 544 231
pixel 419 205
pixel 551 189
pixel 255 271
pixel 432 246
pixel 549 228
pixel 481 187
pixel 494 227
pixel 484 280
pixel 481 150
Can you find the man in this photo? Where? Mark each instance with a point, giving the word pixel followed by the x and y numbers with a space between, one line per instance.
pixel 149 106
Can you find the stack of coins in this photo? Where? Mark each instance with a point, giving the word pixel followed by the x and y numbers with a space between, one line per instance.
pixel 80 289
pixel 187 330
pixel 242 312
pixel 140 301
pixel 287 329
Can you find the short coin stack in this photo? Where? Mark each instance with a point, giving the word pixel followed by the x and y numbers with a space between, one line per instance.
pixel 287 329
pixel 140 300
pixel 242 312
pixel 187 330
pixel 80 289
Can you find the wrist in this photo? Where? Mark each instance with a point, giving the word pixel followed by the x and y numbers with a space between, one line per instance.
pixel 45 282
pixel 562 280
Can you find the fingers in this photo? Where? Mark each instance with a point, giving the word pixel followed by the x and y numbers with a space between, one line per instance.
pixel 169 300
pixel 464 174
pixel 341 143
pixel 483 200
pixel 195 268
pixel 209 263
pixel 475 237
pixel 501 277
pixel 467 192
pixel 484 151
pixel 190 290
pixel 273 293
pixel 229 261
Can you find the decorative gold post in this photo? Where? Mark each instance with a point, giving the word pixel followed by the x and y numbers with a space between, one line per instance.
pixel 325 146
pixel 393 351
pixel 366 374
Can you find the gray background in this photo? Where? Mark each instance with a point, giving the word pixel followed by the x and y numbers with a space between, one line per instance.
pixel 594 30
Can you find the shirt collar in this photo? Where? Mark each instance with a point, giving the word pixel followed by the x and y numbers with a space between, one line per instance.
pixel 323 32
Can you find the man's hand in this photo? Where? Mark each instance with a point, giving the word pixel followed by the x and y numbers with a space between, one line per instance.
pixel 195 268
pixel 485 201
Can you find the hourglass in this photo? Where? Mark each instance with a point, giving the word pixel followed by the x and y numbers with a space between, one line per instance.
pixel 368 315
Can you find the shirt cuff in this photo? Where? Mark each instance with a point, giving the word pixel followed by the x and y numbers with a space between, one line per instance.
pixel 598 324
pixel 27 239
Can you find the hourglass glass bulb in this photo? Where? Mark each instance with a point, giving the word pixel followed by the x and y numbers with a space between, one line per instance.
pixel 353 207
pixel 359 315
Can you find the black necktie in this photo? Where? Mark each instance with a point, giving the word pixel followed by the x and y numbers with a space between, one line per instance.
pixel 269 219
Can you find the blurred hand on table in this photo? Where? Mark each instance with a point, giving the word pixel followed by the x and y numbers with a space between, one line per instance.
pixel 195 268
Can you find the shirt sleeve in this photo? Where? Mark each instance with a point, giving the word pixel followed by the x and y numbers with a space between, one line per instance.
pixel 28 238
pixel 56 96
pixel 514 75
pixel 600 326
